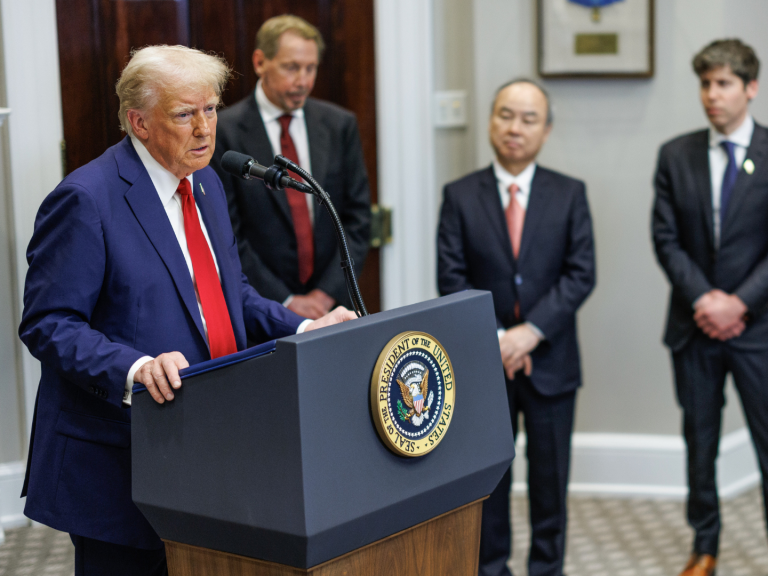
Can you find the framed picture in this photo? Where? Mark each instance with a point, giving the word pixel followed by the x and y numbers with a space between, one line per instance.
pixel 595 38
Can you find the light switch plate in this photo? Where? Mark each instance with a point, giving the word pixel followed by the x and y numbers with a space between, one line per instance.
pixel 451 109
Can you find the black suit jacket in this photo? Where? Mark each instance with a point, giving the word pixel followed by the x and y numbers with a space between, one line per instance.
pixel 553 275
pixel 261 218
pixel 683 235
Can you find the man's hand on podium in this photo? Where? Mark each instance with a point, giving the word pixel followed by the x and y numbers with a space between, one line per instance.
pixel 337 316
pixel 161 375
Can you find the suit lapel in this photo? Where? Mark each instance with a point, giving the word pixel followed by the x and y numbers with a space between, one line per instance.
pixel 230 283
pixel 538 199
pixel 702 180
pixel 146 206
pixel 491 203
pixel 758 153
pixel 256 143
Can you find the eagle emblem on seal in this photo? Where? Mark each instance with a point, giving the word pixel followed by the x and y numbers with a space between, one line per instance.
pixel 414 391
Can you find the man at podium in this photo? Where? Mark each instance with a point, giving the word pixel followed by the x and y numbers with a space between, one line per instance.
pixel 133 275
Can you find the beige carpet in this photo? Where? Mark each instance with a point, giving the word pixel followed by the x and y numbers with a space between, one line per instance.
pixel 607 537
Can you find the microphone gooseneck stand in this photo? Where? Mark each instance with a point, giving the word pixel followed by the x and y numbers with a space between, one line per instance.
pixel 346 260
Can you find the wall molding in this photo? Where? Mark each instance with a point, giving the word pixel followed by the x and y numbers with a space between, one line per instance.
pixel 406 148
pixel 30 55
pixel 646 465
pixel 11 506
pixel 602 465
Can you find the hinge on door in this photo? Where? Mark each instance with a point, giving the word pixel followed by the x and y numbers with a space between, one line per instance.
pixel 381 226
pixel 63 158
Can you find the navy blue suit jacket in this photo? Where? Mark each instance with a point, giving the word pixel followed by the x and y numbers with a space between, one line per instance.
pixel 553 274
pixel 108 284
pixel 683 235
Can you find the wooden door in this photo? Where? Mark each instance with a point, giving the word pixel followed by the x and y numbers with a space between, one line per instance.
pixel 97 36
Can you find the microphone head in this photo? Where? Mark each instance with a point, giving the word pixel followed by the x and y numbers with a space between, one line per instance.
pixel 237 163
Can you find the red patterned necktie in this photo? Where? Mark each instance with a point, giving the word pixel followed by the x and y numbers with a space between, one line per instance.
pixel 515 214
pixel 302 225
pixel 221 337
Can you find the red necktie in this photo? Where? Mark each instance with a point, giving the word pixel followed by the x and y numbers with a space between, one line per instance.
pixel 515 214
pixel 302 225
pixel 221 338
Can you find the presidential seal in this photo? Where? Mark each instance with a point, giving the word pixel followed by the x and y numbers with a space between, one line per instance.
pixel 412 394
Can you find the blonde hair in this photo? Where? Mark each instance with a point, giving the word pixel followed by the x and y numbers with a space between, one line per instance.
pixel 154 70
pixel 268 36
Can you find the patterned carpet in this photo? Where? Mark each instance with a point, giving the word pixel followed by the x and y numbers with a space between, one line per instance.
pixel 607 537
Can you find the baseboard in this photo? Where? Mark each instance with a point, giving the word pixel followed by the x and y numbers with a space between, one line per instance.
pixel 11 506
pixel 607 465
pixel 646 465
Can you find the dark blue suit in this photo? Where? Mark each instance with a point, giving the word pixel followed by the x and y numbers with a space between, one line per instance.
pixel 553 274
pixel 108 284
pixel 683 235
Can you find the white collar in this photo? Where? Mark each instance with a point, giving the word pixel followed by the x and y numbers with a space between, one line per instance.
pixel 742 136
pixel 165 182
pixel 270 111
pixel 523 180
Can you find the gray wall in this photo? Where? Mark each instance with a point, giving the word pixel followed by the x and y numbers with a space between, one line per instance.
pixel 30 138
pixel 455 148
pixel 607 133
pixel 10 406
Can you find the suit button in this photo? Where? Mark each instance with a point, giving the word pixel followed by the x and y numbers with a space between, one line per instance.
pixel 518 279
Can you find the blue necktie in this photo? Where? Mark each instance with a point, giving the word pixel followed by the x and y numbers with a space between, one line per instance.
pixel 729 179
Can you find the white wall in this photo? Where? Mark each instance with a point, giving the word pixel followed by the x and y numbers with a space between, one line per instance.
pixel 31 70
pixel 607 132
pixel 31 168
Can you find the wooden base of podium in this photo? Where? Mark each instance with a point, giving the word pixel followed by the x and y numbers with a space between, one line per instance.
pixel 447 545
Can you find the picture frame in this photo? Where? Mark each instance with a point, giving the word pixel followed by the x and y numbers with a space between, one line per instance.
pixel 595 38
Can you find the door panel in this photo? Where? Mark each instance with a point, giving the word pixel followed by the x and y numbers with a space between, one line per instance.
pixel 97 36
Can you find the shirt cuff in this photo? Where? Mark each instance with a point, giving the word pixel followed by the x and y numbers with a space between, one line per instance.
pixel 128 394
pixel 287 301
pixel 303 326
pixel 535 330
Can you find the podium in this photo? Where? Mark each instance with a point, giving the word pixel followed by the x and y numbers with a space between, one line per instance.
pixel 273 464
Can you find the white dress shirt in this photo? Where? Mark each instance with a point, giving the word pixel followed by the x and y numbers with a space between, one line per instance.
pixel 166 184
pixel 270 115
pixel 718 162
pixel 505 179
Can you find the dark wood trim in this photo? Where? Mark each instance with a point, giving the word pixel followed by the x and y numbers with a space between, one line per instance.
pixel 447 545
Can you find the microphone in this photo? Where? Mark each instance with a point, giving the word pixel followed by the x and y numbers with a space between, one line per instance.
pixel 274 177
pixel 347 264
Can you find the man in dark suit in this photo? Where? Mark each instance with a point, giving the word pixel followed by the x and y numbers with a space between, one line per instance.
pixel 710 232
pixel 525 233
pixel 287 242
pixel 133 275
